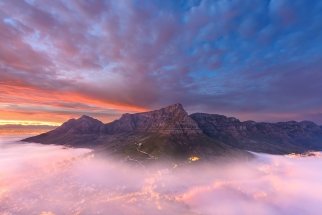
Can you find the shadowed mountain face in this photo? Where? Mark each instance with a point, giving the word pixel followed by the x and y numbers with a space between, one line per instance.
pixel 170 120
pixel 273 138
pixel 171 133
pixel 83 125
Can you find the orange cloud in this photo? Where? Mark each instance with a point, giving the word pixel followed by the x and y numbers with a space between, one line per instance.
pixel 27 104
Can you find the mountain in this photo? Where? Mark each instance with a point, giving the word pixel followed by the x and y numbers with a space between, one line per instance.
pixel 168 133
pixel 80 132
pixel 273 138
pixel 173 134
pixel 170 120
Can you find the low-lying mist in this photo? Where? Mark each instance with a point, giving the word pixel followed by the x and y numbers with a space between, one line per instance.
pixel 48 179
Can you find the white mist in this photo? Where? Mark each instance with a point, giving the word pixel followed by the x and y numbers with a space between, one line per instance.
pixel 47 179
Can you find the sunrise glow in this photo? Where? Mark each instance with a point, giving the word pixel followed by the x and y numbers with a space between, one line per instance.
pixel 19 122
pixel 61 60
pixel 160 107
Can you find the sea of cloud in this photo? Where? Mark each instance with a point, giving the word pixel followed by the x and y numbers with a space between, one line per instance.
pixel 47 179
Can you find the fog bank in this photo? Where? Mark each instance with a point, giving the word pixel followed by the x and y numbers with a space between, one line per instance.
pixel 47 179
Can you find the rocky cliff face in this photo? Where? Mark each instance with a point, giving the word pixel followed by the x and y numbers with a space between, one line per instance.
pixel 80 132
pixel 276 138
pixel 83 125
pixel 166 133
pixel 170 120
pixel 171 132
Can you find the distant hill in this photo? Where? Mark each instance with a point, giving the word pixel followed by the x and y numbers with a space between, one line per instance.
pixel 173 134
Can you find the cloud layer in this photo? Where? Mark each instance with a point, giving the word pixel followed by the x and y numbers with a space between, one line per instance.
pixel 253 59
pixel 49 180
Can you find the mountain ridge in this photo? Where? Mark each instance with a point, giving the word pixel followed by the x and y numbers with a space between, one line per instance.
pixel 171 119
pixel 172 132
pixel 274 138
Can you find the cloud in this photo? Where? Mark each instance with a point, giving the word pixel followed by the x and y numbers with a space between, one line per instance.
pixel 143 55
pixel 63 180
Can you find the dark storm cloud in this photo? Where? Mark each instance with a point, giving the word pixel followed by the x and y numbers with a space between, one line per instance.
pixel 229 56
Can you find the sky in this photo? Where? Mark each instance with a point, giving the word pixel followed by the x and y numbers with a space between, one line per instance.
pixel 252 59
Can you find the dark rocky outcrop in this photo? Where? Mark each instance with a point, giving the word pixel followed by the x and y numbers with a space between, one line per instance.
pixel 82 132
pixel 274 138
pixel 170 132
pixel 170 120
pixel 166 133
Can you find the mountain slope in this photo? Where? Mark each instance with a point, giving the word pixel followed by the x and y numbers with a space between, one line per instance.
pixel 170 120
pixel 168 133
pixel 171 133
pixel 273 138
pixel 82 132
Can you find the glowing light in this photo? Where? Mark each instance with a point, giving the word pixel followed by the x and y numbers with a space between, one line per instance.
pixel 194 158
pixel 46 213
pixel 306 154
pixel 26 122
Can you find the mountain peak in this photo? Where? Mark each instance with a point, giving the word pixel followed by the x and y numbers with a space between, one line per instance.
pixel 176 106
pixel 87 118
pixel 173 109
pixel 167 120
pixel 84 124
